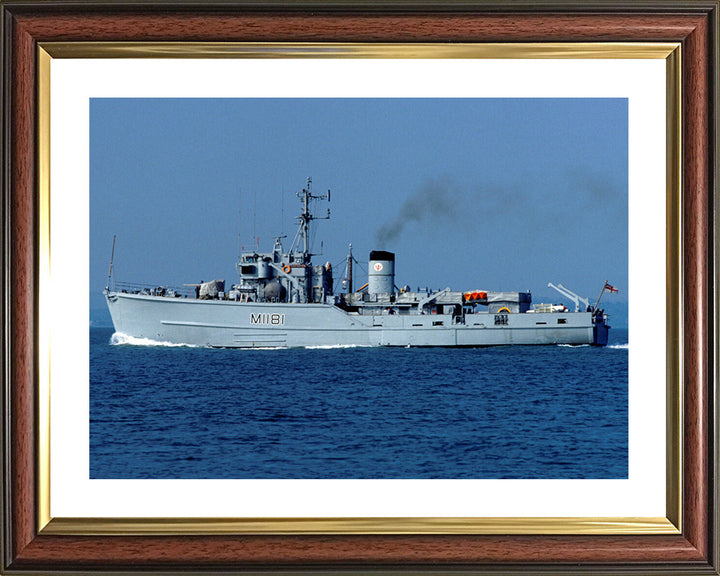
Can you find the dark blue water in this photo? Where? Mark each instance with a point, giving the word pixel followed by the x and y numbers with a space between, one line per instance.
pixel 500 412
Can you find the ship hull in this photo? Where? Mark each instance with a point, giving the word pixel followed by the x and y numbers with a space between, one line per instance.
pixel 229 324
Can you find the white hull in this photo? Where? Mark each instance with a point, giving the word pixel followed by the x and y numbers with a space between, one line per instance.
pixel 222 323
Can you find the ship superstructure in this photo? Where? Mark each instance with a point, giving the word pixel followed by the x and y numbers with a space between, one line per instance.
pixel 284 300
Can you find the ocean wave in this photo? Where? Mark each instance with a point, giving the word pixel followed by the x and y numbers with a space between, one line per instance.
pixel 573 345
pixel 259 348
pixel 335 346
pixel 619 346
pixel 118 338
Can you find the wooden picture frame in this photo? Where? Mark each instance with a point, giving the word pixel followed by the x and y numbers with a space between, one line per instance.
pixel 32 546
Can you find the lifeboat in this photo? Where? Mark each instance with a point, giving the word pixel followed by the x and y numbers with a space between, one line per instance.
pixel 475 296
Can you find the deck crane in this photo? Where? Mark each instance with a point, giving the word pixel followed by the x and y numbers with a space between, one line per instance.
pixel 571 295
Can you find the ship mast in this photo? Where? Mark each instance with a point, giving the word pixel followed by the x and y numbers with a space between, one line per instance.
pixel 112 257
pixel 303 235
pixel 350 271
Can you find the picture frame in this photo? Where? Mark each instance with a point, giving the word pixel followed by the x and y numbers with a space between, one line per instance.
pixel 686 541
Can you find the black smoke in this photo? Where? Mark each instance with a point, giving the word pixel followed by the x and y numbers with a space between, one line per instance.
pixel 533 205
pixel 434 201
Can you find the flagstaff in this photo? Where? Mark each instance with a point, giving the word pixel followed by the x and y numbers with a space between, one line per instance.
pixel 607 287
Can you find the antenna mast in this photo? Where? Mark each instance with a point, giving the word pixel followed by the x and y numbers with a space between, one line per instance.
pixel 350 270
pixel 306 217
pixel 239 223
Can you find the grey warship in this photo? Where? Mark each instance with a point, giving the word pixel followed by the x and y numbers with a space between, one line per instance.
pixel 283 300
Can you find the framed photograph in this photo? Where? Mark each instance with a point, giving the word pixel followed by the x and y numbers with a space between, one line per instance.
pixel 484 146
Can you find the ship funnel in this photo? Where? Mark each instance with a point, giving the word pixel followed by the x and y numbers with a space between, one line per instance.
pixel 381 272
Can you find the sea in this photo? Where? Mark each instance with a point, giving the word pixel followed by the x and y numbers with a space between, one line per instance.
pixel 508 412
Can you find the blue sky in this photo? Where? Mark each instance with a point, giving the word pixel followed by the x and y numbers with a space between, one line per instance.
pixel 491 194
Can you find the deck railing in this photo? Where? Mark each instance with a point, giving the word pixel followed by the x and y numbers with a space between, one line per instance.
pixel 154 290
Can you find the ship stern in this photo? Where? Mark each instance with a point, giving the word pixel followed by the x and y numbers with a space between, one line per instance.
pixel 601 330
